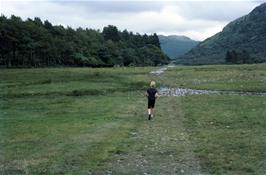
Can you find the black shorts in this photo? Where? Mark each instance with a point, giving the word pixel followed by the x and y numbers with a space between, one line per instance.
pixel 151 103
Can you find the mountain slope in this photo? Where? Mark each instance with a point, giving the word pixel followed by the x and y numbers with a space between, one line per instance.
pixel 246 33
pixel 175 46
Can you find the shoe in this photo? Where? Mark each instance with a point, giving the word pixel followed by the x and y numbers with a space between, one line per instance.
pixel 149 117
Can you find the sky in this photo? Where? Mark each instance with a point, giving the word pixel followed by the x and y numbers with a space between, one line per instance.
pixel 195 19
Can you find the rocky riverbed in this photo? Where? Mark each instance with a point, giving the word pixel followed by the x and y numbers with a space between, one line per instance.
pixel 177 91
pixel 170 91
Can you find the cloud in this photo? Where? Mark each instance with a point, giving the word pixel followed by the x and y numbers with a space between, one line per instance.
pixel 197 20
pixel 115 6
pixel 215 10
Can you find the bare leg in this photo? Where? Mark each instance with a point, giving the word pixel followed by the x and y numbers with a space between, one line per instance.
pixel 149 112
pixel 152 111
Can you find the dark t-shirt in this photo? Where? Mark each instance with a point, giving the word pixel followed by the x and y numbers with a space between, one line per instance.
pixel 151 93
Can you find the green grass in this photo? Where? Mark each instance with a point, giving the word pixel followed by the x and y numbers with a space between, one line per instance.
pixel 229 132
pixel 81 120
pixel 219 77
pixel 63 134
pixel 65 120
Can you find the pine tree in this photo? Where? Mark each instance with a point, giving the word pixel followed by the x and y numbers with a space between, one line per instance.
pixel 228 57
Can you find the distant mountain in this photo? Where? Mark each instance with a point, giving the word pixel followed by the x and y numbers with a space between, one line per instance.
pixel 247 34
pixel 175 46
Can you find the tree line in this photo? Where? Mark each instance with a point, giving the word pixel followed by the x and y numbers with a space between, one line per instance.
pixel 34 43
pixel 241 57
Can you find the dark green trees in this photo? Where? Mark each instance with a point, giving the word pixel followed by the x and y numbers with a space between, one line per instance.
pixel 240 57
pixel 111 33
pixel 33 43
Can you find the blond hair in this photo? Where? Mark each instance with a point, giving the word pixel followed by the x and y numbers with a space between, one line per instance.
pixel 152 84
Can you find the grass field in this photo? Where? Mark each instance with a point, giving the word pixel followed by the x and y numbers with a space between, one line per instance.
pixel 230 77
pixel 93 121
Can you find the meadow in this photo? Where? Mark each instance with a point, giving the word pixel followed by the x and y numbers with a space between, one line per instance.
pixel 94 121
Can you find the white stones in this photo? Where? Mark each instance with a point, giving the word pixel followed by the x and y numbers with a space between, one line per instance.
pixel 159 71
pixel 168 91
pixel 171 66
pixel 133 133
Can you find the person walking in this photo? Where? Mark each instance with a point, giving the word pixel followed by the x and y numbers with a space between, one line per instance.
pixel 152 94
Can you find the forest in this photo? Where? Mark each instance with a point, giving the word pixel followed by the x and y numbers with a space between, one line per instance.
pixel 241 57
pixel 37 43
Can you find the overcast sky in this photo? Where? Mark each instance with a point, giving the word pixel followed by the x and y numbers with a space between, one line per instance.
pixel 195 19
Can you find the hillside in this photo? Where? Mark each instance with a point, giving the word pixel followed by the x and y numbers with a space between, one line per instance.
pixel 247 33
pixel 174 46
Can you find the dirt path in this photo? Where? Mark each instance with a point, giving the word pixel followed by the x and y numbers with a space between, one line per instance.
pixel 159 146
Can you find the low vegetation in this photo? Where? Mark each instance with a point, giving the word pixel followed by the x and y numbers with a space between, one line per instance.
pixel 84 120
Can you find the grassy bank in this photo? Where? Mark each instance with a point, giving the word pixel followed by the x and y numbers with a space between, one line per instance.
pixel 220 77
